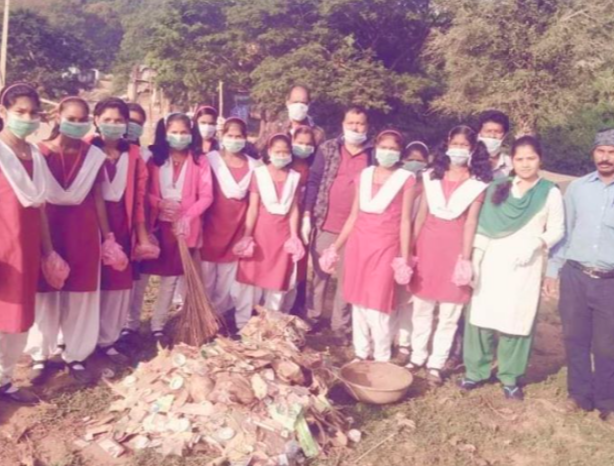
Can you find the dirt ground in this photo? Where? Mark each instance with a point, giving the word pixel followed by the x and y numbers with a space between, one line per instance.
pixel 431 427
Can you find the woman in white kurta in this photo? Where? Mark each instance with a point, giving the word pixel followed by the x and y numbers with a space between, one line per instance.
pixel 523 216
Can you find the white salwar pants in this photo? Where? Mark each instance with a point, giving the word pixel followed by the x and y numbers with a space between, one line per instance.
pixel 218 279
pixel 180 291
pixel 163 303
pixel 75 315
pixel 246 297
pixel 402 325
pixel 137 297
pixel 12 346
pixel 424 311
pixel 114 310
pixel 371 328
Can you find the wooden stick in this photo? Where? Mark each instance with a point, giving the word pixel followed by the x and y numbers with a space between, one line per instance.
pixel 375 447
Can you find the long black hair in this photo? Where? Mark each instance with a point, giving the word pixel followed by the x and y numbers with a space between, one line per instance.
pixel 160 148
pixel 112 103
pixel 134 107
pixel 502 192
pixel 55 131
pixel 197 139
pixel 12 92
pixel 479 167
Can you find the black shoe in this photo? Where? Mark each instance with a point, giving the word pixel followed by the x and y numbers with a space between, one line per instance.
pixel 161 339
pixel 513 392
pixel 80 372
pixel 18 395
pixel 466 384
pixel 434 378
pixel 115 356
pixel 40 372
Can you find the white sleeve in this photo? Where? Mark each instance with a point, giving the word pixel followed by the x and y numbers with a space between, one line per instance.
pixel 555 223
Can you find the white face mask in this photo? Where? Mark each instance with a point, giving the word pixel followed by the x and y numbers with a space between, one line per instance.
pixel 207 130
pixel 387 157
pixel 352 137
pixel 280 160
pixel 493 145
pixel 297 111
pixel 458 156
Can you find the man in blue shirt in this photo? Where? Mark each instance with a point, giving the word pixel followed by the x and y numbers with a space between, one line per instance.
pixel 584 260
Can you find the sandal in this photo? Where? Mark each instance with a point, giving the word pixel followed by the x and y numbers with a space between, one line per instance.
pixel 22 396
pixel 161 339
pixel 513 392
pixel 115 356
pixel 80 373
pixel 413 368
pixel 466 384
pixel 434 378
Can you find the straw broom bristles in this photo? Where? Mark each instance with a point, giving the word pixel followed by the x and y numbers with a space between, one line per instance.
pixel 197 322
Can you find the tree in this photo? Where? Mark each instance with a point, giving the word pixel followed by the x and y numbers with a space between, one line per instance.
pixel 43 54
pixel 536 60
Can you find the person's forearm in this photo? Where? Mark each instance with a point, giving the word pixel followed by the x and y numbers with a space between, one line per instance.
pixel 46 242
pixel 101 211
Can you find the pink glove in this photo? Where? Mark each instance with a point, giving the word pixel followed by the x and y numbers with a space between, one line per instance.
pixel 148 251
pixel 244 248
pixel 182 227
pixel 113 255
pixel 55 270
pixel 463 272
pixel 328 259
pixel 295 248
pixel 169 210
pixel 402 271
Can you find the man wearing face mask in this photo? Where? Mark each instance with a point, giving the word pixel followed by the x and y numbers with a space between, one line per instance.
pixel 328 203
pixel 297 105
pixel 584 261
pixel 493 127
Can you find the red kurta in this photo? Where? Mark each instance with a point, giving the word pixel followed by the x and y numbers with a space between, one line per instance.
pixel 271 267
pixel 371 247
pixel 75 231
pixel 114 280
pixel 224 222
pixel 20 254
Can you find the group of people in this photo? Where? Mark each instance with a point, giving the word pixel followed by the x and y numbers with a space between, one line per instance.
pixel 416 238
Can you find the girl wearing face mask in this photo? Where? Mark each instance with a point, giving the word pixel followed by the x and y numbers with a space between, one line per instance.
pixel 444 228
pixel 522 217
pixel 180 192
pixel 23 229
pixel 136 127
pixel 224 222
pixel 204 130
pixel 270 247
pixel 77 218
pixel 124 189
pixel 378 234
pixel 303 150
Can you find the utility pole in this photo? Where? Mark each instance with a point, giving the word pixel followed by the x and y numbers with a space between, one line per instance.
pixel 5 40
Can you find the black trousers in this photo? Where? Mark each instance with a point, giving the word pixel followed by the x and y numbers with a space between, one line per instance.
pixel 587 313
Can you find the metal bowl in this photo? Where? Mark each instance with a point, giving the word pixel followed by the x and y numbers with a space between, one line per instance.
pixel 376 382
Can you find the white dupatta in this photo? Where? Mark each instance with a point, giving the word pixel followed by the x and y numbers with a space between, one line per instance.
pixel 30 192
pixel 82 184
pixel 114 190
pixel 459 201
pixel 379 203
pixel 228 185
pixel 169 190
pixel 268 194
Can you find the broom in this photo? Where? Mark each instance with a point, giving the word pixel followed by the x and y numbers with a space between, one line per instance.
pixel 198 322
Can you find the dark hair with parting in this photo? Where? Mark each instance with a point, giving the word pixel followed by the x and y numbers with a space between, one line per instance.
pixel 299 86
pixel 479 166
pixel 12 92
pixel 417 146
pixel 494 116
pixel 160 148
pixel 112 103
pixel 304 129
pixel 394 134
pixel 272 140
pixel 235 121
pixel 73 99
pixel 196 137
pixel 502 192
pixel 137 108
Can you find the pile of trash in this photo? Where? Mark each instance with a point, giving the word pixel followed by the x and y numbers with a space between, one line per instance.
pixel 256 402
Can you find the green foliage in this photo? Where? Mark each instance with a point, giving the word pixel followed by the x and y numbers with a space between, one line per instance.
pixel 42 53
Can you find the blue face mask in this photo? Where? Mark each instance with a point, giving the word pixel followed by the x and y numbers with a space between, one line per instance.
pixel 179 141
pixel 414 166
pixel 112 131
pixel 20 127
pixel 135 131
pixel 74 130
pixel 302 151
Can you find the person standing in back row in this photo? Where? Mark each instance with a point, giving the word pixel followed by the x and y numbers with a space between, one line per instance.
pixel 328 202
pixel 584 261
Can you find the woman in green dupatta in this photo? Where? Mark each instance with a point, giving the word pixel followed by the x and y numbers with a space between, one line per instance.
pixel 522 217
